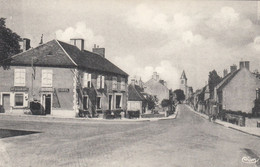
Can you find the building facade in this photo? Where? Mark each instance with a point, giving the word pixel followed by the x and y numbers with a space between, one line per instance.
pixel 237 90
pixel 136 98
pixel 157 87
pixel 65 79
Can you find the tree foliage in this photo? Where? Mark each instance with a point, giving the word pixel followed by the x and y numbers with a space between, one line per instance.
pixel 9 43
pixel 179 95
pixel 151 101
pixel 165 103
pixel 214 80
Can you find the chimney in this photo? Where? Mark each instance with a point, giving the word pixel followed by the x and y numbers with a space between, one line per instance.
pixel 244 64
pixel 79 42
pixel 233 68
pixel 99 51
pixel 225 72
pixel 24 44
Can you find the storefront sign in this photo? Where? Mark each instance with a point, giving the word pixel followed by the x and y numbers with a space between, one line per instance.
pixel 63 90
pixel 43 89
pixel 19 89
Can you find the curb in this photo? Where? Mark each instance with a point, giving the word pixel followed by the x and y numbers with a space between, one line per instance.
pixel 233 128
pixel 32 118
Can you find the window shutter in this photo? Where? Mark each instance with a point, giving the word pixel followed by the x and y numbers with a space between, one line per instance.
pixel 47 78
pixel 89 80
pixel 85 80
pixel 22 77
pixel 103 82
pixel 98 81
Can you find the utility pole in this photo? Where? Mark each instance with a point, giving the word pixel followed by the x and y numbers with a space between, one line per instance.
pixel 33 78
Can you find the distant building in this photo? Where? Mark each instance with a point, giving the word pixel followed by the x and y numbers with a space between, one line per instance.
pixel 65 79
pixel 237 90
pixel 157 87
pixel 136 97
pixel 188 91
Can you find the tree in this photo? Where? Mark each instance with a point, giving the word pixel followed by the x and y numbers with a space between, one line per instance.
pixel 165 103
pixel 179 95
pixel 9 43
pixel 151 101
pixel 214 80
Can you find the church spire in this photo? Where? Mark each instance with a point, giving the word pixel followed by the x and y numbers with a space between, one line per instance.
pixel 183 75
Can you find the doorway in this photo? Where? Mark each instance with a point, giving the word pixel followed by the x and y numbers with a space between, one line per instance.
pixel 110 102
pixel 46 102
pixel 6 102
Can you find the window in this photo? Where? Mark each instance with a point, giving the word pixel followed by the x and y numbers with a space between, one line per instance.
pixel 100 82
pixel 87 80
pixel 123 84
pixel 18 99
pixel 118 101
pixel 114 83
pixel 103 82
pixel 46 78
pixel 85 102
pixel 182 81
pixel 19 77
pixel 98 102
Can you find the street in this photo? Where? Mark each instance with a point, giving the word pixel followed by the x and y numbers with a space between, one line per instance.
pixel 186 141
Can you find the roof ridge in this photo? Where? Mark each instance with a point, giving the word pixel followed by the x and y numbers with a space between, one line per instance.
pixel 66 52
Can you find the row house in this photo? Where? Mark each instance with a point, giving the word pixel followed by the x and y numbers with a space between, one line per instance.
pixel 65 79
pixel 237 90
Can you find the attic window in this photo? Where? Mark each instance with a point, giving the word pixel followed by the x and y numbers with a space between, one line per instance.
pixel 50 53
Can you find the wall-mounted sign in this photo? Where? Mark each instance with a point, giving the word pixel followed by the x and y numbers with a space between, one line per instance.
pixel 46 89
pixel 19 89
pixel 63 90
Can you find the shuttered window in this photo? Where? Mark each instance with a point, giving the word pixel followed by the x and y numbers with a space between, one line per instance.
pixel 47 78
pixel 87 80
pixel 19 77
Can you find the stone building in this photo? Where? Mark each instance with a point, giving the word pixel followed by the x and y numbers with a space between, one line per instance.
pixel 157 87
pixel 65 79
pixel 237 90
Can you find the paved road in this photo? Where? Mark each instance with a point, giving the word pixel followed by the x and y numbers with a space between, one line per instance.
pixel 186 141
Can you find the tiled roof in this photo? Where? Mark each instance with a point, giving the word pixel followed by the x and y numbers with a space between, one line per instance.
pixel 90 60
pixel 135 93
pixel 60 54
pixel 48 54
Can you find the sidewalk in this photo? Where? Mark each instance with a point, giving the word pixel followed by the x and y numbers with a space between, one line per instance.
pixel 39 118
pixel 248 130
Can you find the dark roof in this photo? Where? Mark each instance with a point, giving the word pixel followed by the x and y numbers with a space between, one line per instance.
pixel 60 54
pixel 135 93
pixel 48 54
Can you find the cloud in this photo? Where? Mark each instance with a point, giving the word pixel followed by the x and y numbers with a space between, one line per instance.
pixel 146 18
pixel 80 31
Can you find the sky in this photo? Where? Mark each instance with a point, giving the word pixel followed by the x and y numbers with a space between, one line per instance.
pixel 142 36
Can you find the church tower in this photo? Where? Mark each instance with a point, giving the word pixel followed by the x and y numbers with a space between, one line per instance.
pixel 183 83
